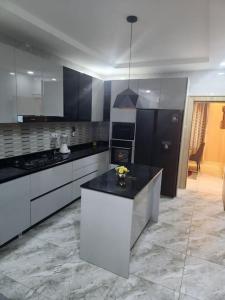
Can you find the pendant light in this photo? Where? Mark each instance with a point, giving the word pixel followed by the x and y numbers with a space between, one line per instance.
pixel 128 98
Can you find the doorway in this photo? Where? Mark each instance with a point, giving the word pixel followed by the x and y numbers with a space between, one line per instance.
pixel 206 163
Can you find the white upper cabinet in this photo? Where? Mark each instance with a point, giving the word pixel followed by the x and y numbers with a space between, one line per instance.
pixel 8 108
pixel 52 89
pixel 149 93
pixel 173 93
pixel 162 93
pixel 97 100
pixel 39 86
pixel 29 83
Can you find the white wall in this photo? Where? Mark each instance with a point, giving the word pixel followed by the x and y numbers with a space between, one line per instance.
pixel 206 83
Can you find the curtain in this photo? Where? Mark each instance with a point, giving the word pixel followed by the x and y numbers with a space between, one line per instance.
pixel 199 122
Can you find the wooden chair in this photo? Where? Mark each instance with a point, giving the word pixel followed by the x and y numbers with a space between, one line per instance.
pixel 197 156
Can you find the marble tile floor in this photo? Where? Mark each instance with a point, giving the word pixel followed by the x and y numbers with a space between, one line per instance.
pixel 182 257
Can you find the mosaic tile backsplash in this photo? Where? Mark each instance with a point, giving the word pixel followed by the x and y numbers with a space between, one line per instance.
pixel 18 139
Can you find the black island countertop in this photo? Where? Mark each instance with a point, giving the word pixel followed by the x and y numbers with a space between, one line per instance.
pixel 10 167
pixel 138 177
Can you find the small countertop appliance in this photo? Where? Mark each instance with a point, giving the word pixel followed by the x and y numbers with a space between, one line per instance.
pixel 63 144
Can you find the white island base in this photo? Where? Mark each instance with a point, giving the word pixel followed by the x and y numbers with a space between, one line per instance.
pixel 110 225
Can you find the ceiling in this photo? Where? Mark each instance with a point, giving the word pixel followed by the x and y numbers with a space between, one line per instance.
pixel 170 36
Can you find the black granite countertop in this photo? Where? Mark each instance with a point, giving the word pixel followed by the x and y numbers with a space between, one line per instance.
pixel 138 177
pixel 8 171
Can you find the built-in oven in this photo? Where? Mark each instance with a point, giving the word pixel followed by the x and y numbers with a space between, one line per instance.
pixel 123 131
pixel 121 151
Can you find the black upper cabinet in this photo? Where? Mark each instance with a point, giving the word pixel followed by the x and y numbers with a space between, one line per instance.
pixel 85 98
pixel 71 94
pixel 107 100
pixel 77 95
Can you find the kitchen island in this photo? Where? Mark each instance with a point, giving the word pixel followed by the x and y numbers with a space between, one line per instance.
pixel 113 217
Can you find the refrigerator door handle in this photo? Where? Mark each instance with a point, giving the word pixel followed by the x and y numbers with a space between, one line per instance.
pixel 166 145
pixel 121 148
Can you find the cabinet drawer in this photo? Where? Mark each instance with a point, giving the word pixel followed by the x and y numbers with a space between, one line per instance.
pixel 50 179
pixel 84 171
pixel 48 204
pixel 93 159
pixel 79 182
pixel 103 157
pixel 80 163
pixel 14 208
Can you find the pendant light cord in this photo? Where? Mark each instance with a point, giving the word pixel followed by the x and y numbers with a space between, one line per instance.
pixel 131 37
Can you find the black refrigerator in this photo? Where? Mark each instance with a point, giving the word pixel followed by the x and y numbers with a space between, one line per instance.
pixel 157 143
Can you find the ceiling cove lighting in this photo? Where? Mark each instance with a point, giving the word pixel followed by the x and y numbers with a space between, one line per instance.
pixel 30 72
pixel 128 98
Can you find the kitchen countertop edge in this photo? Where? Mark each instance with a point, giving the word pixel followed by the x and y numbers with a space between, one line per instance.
pixel 129 194
pixel 24 173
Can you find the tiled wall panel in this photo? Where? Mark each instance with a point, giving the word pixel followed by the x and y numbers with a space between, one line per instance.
pixel 18 139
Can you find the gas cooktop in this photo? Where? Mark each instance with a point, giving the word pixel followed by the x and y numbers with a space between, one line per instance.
pixel 39 162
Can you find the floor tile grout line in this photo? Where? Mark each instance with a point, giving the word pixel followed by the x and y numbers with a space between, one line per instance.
pixel 20 283
pixel 206 260
pixel 166 248
pixel 153 282
pixel 186 254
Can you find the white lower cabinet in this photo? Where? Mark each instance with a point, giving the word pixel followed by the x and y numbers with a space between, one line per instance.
pixel 56 187
pixel 86 161
pixel 50 179
pixel 98 162
pixel 103 163
pixel 30 199
pixel 49 203
pixel 88 168
pixel 14 208
pixel 84 171
pixel 76 184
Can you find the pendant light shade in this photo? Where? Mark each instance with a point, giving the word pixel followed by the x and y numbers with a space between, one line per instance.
pixel 128 98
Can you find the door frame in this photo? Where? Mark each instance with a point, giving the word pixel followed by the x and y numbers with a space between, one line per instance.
pixel 186 134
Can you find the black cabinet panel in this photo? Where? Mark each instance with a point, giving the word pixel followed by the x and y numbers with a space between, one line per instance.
pixel 71 93
pixel 77 95
pixel 107 100
pixel 85 98
pixel 144 140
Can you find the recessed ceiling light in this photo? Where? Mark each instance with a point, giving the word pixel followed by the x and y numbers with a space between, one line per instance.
pixel 53 79
pixel 30 72
pixel 222 64
pixel 221 73
pixel 12 73
pixel 148 91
